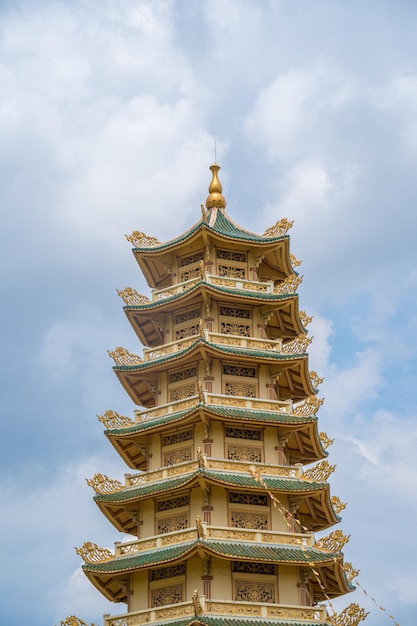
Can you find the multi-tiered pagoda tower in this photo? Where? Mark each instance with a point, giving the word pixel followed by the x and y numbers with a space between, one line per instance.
pixel 221 509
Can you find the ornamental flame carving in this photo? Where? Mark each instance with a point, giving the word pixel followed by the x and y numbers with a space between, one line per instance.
pixel 320 472
pixel 289 285
pixel 91 553
pixel 305 319
pixel 309 406
pixel 315 379
pixel 121 356
pixel 279 229
pixel 103 484
pixel 72 620
pixel 294 261
pixel 298 345
pixel 112 419
pixel 141 240
pixel 350 572
pixel 325 440
pixel 337 504
pixel 333 542
pixel 350 616
pixel 131 297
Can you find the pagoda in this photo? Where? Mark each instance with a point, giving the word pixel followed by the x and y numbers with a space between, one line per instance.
pixel 219 501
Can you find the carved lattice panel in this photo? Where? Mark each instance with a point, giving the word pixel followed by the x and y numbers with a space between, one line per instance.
pixel 253 499
pixel 254 568
pixel 193 258
pixel 239 370
pixel 176 377
pixel 173 438
pixel 181 455
pixel 170 524
pixel 240 389
pixel 190 274
pixel 171 594
pixel 231 255
pixel 187 331
pixel 243 433
pixel 167 572
pixel 244 453
pixel 232 272
pixel 253 591
pixel 172 503
pixel 234 311
pixel 179 393
pixel 247 519
pixel 229 328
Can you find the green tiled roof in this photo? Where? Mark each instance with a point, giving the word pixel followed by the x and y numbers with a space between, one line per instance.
pixel 223 226
pixel 229 549
pixel 270 417
pixel 233 479
pixel 230 620
pixel 257 354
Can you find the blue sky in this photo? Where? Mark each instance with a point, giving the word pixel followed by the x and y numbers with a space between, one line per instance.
pixel 108 115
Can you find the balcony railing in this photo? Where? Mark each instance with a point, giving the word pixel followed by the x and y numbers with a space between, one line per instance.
pixel 252 343
pixel 246 467
pixel 220 281
pixel 220 607
pixel 217 399
pixel 218 533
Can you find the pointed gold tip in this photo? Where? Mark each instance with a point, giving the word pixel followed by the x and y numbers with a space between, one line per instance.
pixel 215 198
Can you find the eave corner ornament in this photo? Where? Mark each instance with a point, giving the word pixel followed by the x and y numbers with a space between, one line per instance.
pixel 112 419
pixel 289 286
pixel 131 297
pixel 121 356
pixel 72 620
pixel 305 319
pixel 278 229
pixel 316 380
pixel 333 542
pixel 298 346
pixel 350 616
pixel 337 504
pixel 320 472
pixel 294 261
pixel 326 441
pixel 141 240
pixel 91 553
pixel 350 572
pixel 103 484
pixel 309 406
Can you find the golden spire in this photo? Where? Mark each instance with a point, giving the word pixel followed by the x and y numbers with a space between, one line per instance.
pixel 215 198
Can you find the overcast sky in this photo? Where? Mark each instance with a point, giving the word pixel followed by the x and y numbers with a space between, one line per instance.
pixel 108 115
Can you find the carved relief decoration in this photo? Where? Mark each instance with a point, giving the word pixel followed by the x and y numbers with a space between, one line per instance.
pixel 170 524
pixel 186 316
pixel 193 258
pixel 131 297
pixel 227 328
pixel 177 456
pixel 230 271
pixel 176 377
pixel 187 331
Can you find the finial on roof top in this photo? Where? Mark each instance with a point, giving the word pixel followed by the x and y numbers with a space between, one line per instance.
pixel 215 198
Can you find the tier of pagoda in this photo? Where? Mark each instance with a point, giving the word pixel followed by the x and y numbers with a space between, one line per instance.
pixel 219 503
